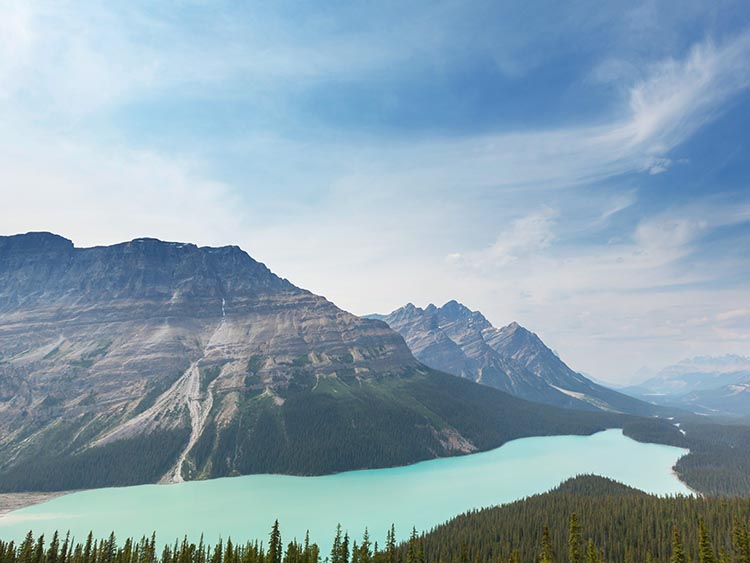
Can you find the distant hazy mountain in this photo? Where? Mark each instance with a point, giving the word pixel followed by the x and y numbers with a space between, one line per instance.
pixel 150 360
pixel 460 341
pixel 704 384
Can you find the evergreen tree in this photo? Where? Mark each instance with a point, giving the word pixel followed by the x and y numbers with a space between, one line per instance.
pixel 365 553
pixel 64 556
pixel 411 550
pixel 217 555
pixel 53 551
pixel 390 545
pixel 705 550
pixel 88 549
pixel 344 556
pixel 306 548
pixel 26 551
pixel 740 542
pixel 574 540
pixel 275 548
pixel 678 551
pixel 38 555
pixel 591 554
pixel 336 547
pixel 546 556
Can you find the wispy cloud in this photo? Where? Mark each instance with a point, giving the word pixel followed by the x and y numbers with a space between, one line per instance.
pixel 527 235
pixel 549 221
pixel 97 195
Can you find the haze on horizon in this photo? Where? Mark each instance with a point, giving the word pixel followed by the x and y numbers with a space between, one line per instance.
pixel 582 169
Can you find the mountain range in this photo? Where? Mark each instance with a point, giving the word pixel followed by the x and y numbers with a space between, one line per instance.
pixel 457 340
pixel 710 385
pixel 152 361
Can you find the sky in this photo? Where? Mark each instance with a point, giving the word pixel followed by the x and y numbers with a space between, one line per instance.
pixel 582 168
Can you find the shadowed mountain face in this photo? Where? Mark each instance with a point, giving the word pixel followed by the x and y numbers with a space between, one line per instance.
pixel 149 360
pixel 454 339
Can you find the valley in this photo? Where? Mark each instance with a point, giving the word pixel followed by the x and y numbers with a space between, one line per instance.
pixel 421 495
pixel 152 361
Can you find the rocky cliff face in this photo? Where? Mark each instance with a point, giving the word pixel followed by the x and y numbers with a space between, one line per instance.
pixel 463 342
pixel 149 361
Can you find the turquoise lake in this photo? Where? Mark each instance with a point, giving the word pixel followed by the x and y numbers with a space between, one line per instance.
pixel 420 495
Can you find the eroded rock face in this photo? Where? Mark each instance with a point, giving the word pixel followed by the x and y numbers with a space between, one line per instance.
pixel 110 343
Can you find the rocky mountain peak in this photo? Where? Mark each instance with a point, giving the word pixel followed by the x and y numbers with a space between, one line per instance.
pixel 33 243
pixel 453 307
pixel 455 339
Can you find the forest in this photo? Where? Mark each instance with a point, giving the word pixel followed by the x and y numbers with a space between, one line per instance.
pixel 718 463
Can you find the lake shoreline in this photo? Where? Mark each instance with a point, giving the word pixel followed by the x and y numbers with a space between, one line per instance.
pixel 15 501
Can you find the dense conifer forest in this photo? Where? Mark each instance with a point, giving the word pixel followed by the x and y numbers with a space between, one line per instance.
pixel 341 425
pixel 719 460
pixel 585 520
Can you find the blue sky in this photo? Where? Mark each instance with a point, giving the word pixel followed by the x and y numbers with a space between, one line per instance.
pixel 579 167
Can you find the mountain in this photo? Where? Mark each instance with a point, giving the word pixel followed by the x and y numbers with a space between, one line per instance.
pixel 457 340
pixel 714 385
pixel 732 399
pixel 700 373
pixel 150 360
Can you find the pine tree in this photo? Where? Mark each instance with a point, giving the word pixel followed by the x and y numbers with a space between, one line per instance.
pixel 411 548
pixel 344 557
pixel 275 549
pixel 217 555
pixel 390 545
pixel 26 551
pixel 38 555
pixel 365 553
pixel 306 548
pixel 64 550
pixel 53 551
pixel 591 554
pixel 463 554
pixel 109 549
pixel 546 556
pixel 678 551
pixel 336 547
pixel 574 540
pixel 740 542
pixel 705 551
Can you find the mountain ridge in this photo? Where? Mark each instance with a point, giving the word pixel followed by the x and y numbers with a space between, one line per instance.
pixel 455 339
pixel 709 385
